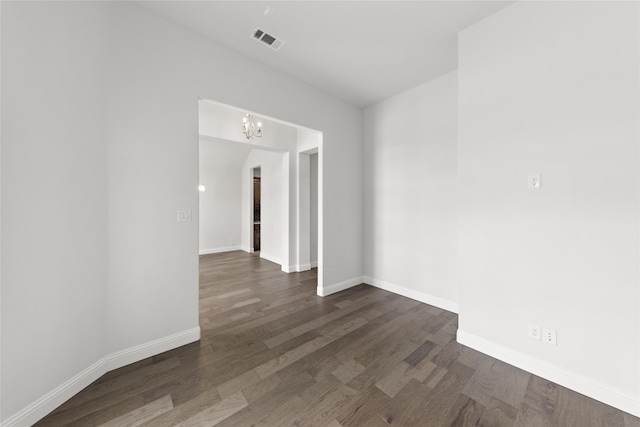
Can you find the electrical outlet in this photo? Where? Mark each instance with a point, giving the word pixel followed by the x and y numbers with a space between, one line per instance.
pixel 184 216
pixel 534 331
pixel 549 336
pixel 534 181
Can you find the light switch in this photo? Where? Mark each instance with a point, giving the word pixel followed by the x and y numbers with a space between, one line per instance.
pixel 534 181
pixel 184 216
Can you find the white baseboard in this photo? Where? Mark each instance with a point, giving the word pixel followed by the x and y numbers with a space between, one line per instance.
pixel 246 249
pixel 56 397
pixel 620 399
pixel 337 287
pixel 271 258
pixel 303 267
pixel 314 264
pixel 442 303
pixel 133 354
pixel 219 250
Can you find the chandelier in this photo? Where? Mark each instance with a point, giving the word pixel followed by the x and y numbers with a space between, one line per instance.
pixel 250 129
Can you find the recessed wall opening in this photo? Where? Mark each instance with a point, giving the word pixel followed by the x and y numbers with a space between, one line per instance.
pixel 263 195
pixel 255 207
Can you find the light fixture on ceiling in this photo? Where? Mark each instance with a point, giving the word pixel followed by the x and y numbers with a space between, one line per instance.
pixel 250 129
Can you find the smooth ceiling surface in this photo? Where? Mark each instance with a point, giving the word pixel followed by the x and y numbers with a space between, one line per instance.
pixel 359 51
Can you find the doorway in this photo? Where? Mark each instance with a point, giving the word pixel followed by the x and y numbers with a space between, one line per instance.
pixel 276 225
pixel 313 204
pixel 256 209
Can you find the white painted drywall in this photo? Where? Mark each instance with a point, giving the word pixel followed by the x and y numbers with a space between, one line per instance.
pixel 97 193
pixel 221 202
pixel 410 193
pixel 54 196
pixel 552 88
pixel 160 70
pixel 303 256
pixel 313 204
pixel 308 140
pixel 274 203
pixel 223 121
pixel 309 143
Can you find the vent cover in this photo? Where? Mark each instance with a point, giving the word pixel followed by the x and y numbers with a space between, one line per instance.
pixel 266 38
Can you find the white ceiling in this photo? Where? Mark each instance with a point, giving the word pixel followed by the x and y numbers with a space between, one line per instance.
pixel 359 51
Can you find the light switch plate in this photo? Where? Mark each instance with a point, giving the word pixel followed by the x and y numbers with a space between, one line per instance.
pixel 534 181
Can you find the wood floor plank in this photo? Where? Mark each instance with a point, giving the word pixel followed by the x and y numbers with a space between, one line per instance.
pixel 483 382
pixel 99 396
pixel 539 402
pixel 261 389
pixel 110 412
pixel 141 415
pixel 274 354
pixel 326 366
pixel 217 413
pixel 238 383
pixel 264 405
pixel 288 414
pixel 528 416
pixel 406 408
pixel 326 401
pixel 395 380
pixel 574 408
pixel 440 403
pixel 465 412
pixel 420 353
pixel 511 386
pixel 348 371
pixel 281 362
pixel 498 413
pixel 360 411
pixel 186 410
pixel 630 420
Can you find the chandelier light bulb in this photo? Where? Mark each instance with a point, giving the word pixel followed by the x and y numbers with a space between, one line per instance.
pixel 250 129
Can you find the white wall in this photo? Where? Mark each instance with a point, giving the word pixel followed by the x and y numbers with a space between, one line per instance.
pixel 54 196
pixel 313 205
pixel 309 143
pixel 274 203
pixel 542 91
pixel 221 202
pixel 223 121
pixel 308 140
pixel 410 193
pixel 138 278
pixel 303 213
pixel 151 54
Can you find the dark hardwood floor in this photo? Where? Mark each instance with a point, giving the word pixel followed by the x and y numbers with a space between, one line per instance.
pixel 274 354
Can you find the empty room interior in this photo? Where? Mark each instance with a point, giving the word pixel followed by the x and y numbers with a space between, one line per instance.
pixel 320 213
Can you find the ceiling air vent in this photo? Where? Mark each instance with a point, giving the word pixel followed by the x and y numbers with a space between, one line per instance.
pixel 271 41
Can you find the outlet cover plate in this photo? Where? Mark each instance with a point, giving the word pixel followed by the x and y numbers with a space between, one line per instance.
pixel 549 336
pixel 534 332
pixel 184 216
pixel 534 181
